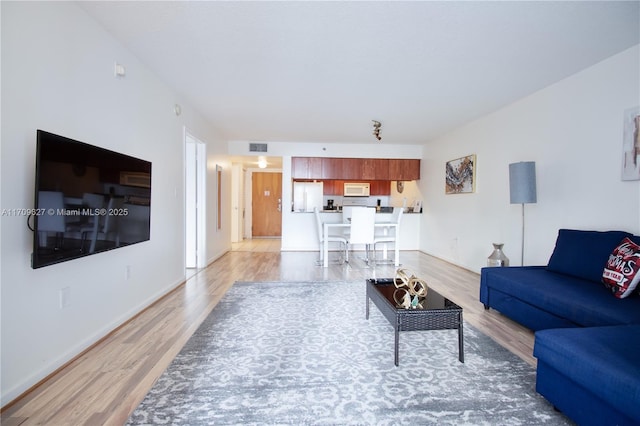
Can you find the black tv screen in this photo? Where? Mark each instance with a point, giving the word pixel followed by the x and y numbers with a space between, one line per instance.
pixel 87 200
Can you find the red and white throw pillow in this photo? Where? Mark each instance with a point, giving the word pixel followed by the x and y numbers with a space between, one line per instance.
pixel 621 273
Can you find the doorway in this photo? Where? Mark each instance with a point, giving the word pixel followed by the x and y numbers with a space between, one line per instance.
pixel 195 214
pixel 266 201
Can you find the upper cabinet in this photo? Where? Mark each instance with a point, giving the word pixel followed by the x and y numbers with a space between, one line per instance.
pixel 306 168
pixel 341 168
pixel 404 169
pixel 350 168
pixel 375 168
pixel 355 168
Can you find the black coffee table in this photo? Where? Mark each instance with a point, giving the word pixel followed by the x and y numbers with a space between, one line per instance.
pixel 437 313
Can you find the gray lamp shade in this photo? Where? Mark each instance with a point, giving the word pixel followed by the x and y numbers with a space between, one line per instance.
pixel 522 182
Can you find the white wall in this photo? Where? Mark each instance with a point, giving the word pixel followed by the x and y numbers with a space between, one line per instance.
pixel 573 131
pixel 58 75
pixel 218 240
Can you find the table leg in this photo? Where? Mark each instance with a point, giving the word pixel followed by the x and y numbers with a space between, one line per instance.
pixel 460 341
pixel 325 247
pixel 397 250
pixel 385 253
pixel 397 344
pixel 396 246
pixel 367 303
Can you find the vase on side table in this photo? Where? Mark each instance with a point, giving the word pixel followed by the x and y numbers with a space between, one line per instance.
pixel 497 257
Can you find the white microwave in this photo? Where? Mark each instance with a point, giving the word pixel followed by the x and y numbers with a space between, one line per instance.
pixel 353 189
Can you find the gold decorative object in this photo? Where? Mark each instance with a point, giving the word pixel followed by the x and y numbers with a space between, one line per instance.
pixel 402 277
pixel 418 287
pixel 402 298
pixel 410 290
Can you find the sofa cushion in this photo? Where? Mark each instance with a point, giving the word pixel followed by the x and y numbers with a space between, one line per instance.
pixel 584 303
pixel 603 360
pixel 636 239
pixel 621 273
pixel 583 254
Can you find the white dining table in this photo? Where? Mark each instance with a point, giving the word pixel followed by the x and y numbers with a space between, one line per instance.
pixel 385 225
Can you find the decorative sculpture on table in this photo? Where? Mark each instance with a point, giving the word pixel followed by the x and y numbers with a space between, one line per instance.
pixel 410 290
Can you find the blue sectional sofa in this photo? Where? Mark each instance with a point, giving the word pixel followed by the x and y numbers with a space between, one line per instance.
pixel 587 341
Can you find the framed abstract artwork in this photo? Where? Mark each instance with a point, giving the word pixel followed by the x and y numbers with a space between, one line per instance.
pixel 631 145
pixel 460 175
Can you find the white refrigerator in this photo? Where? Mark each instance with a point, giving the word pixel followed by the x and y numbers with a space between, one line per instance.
pixel 307 195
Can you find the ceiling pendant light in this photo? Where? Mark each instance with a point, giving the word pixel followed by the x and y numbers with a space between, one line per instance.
pixel 376 129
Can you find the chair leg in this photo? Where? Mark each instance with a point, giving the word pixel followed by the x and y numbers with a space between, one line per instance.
pixel 343 247
pixel 385 260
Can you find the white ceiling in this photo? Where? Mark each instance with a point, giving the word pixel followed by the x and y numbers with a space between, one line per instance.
pixel 321 71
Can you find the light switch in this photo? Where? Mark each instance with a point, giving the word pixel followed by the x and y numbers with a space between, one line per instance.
pixel 119 70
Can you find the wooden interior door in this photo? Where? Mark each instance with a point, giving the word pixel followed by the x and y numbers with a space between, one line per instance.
pixel 266 200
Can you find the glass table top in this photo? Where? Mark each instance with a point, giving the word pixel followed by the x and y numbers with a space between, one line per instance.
pixel 394 295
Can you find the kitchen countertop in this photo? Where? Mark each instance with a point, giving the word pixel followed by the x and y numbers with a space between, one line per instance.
pixel 299 237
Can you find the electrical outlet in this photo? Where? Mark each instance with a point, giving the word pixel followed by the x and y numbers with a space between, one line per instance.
pixel 65 297
pixel 454 248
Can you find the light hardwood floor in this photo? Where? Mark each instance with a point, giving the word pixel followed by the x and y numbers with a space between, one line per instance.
pixel 105 384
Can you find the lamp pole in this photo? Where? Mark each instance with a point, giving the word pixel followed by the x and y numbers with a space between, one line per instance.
pixel 522 248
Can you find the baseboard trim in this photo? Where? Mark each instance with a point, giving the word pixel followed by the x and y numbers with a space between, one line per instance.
pixel 450 262
pixel 154 301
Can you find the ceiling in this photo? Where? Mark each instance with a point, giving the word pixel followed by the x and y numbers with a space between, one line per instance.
pixel 322 71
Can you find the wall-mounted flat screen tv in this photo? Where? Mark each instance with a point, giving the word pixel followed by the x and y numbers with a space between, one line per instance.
pixel 87 200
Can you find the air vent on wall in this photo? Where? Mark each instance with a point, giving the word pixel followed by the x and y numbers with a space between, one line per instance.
pixel 257 147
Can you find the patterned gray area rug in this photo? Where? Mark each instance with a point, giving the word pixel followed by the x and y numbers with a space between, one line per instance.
pixel 304 354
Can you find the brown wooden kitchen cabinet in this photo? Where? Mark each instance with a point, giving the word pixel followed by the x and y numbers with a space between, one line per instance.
pixel 342 168
pixel 351 168
pixel 404 169
pixel 380 187
pixel 375 169
pixel 355 169
pixel 333 187
pixel 330 168
pixel 306 167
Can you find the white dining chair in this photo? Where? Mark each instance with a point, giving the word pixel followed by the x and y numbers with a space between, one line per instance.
pixel 109 225
pixel 363 222
pixel 50 201
pixel 330 238
pixel 394 236
pixel 89 228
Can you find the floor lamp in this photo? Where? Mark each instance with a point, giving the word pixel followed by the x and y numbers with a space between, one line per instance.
pixel 522 189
